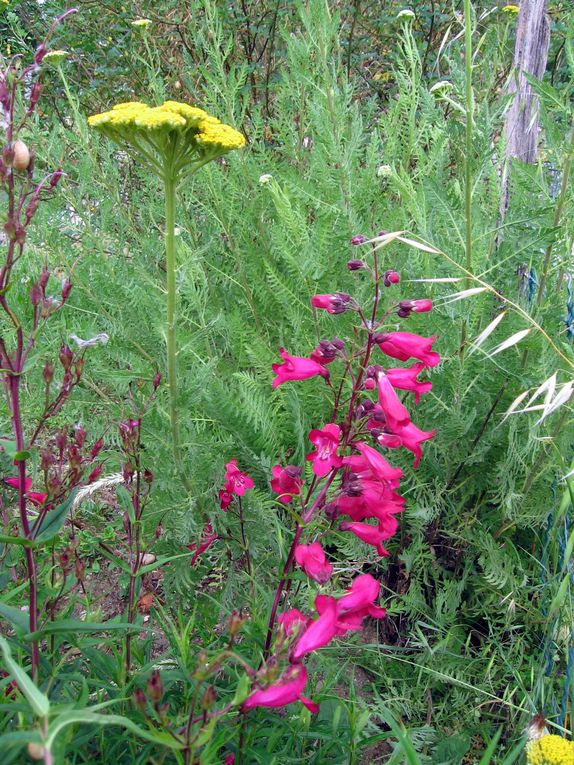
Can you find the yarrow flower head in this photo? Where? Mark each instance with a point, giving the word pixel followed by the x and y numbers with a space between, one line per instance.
pixel 55 57
pixel 174 137
pixel 550 750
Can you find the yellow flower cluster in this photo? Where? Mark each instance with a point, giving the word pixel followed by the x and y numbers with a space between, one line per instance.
pixel 133 117
pixel 513 9
pixel 550 750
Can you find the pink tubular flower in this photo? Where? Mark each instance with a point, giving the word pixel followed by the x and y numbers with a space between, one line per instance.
pixel 225 499
pixel 236 481
pixel 208 537
pixel 405 345
pixel 312 560
pixel 36 497
pixel 406 307
pixel 327 442
pixel 406 379
pixel 395 412
pixel 339 302
pixel 319 632
pixel 229 760
pixel 286 482
pixel 291 621
pixel 296 368
pixel 408 436
pixel 372 535
pixel 360 598
pixel 284 691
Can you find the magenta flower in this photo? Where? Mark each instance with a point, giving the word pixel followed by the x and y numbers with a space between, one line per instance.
pixel 361 596
pixel 36 497
pixel 296 368
pixel 391 277
pixel 408 436
pixel 286 482
pixel 225 499
pixel 327 351
pixel 208 537
pixel 406 307
pixel 339 302
pixel 312 560
pixel 319 632
pixel 286 690
pixel 396 414
pixel 327 442
pixel 405 345
pixel 291 621
pixel 372 535
pixel 236 481
pixel 406 379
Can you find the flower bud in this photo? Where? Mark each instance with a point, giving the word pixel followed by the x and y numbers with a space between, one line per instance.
pixel 96 448
pixel 155 687
pixel 35 751
pixel 66 289
pixel 55 178
pixel 95 474
pixel 391 277
pixel 48 373
pixel 79 569
pixel 140 699
pixel 80 434
pixel 355 264
pixel 35 294
pixel 235 623
pixel 358 239
pixel 66 357
pixel 21 156
pixel 156 380
pixel 44 276
pixel 79 368
pixel 148 476
pixel 209 698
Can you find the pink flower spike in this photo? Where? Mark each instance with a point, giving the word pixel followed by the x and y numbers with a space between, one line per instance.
pixel 406 379
pixel 408 436
pixel 312 560
pixel 394 410
pixel 296 368
pixel 284 691
pixel 377 463
pixel 327 442
pixel 319 632
pixel 405 345
pixel 236 481
pixel 286 482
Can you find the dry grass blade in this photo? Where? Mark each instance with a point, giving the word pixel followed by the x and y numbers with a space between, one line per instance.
pixel 561 398
pixel 455 296
pixel 509 342
pixel 515 404
pixel 486 332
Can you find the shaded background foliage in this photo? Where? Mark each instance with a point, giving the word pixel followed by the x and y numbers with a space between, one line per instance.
pixel 335 101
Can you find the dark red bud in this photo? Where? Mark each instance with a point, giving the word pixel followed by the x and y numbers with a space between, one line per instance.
pixel 358 239
pixel 95 474
pixel 158 531
pixel 66 357
pixel 44 276
pixel 391 277
pixel 155 687
pixel 79 368
pixel 55 178
pixel 148 476
pixel 96 448
pixel 80 434
pixel 66 289
pixel 140 699
pixel 156 380
pixel 356 265
pixel 35 294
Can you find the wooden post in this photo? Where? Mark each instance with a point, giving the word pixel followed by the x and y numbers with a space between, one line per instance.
pixel 521 124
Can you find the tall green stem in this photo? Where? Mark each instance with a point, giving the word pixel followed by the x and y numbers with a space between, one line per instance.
pixel 170 187
pixel 469 97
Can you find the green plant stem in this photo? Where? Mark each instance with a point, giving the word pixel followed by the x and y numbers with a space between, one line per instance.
pixel 170 188
pixel 469 97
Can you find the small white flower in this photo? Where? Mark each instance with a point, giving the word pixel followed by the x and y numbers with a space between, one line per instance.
pixel 384 171
pixel 102 338
pixel 265 178
pixel 406 13
pixel 142 23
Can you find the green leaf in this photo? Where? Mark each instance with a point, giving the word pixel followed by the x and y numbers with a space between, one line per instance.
pixel 54 520
pixel 77 717
pixel 403 738
pixel 242 691
pixel 74 625
pixel 22 541
pixel 489 751
pixel 16 617
pixel 39 702
pixel 22 456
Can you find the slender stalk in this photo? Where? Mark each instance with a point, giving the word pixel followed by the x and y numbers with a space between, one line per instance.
pixel 469 99
pixel 170 188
